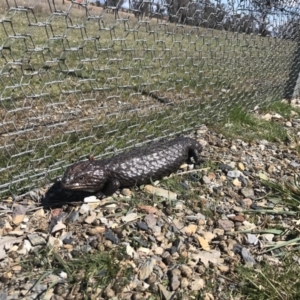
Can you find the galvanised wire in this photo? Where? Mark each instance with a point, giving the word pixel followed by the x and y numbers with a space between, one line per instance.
pixel 80 78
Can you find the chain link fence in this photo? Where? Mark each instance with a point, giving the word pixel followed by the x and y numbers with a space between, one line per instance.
pixel 84 78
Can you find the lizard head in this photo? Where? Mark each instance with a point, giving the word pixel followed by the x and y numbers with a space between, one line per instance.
pixel 84 176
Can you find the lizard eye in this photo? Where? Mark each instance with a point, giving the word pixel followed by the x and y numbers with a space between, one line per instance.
pixel 80 178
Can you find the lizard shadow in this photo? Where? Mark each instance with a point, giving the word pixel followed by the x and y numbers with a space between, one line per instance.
pixel 56 197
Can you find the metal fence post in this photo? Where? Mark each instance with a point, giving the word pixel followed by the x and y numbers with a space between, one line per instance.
pixel 292 88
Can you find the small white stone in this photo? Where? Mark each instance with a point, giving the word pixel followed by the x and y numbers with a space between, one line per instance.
pixel 197 284
pixel 190 167
pixel 261 147
pixel 267 117
pixel 144 250
pixel 91 199
pixel 159 250
pixel 84 209
pixel 59 226
pixel 160 192
pixel 26 248
pixel 55 242
pixel 268 236
pixel 129 217
pixel 277 116
pixel 63 275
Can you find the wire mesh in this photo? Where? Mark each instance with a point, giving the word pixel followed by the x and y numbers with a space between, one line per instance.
pixel 85 77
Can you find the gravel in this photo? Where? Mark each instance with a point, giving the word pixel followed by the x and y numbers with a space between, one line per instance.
pixel 169 236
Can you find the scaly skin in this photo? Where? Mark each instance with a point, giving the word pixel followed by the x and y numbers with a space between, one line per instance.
pixel 135 167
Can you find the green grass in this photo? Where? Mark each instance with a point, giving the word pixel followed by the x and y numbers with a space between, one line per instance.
pixel 269 282
pixel 241 124
pixel 286 192
pixel 284 109
pixel 90 272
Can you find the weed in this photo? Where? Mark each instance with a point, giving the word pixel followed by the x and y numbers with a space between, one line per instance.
pixel 270 282
pixel 89 270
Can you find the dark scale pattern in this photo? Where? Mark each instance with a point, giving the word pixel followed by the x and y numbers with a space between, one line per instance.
pixel 135 167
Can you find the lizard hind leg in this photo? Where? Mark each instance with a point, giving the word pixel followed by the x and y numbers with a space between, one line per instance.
pixel 195 154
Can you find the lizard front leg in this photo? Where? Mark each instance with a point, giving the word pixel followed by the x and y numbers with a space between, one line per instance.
pixel 110 187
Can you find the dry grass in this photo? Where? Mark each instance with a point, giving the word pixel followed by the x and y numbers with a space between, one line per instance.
pixel 90 81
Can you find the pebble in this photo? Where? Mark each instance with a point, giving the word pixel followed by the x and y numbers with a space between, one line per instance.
pixel 72 217
pixel 91 199
pixel 252 239
pixel 26 247
pixel 241 166
pixel 84 209
pixel 206 179
pixel 295 164
pixel 267 117
pixel 247 192
pixel 16 232
pixel 16 268
pixel 142 226
pixel 263 176
pixel 146 269
pixel 48 295
pixel 3 296
pixel 190 229
pixel 159 250
pixel 97 230
pixel 166 294
pixel 226 225
pixel 197 284
pixel 203 243
pixel 268 236
pixel 184 283
pixel 248 258
pixel 111 237
pixel 236 182
pixel 36 239
pixel 90 219
pixel 209 236
pixel 172 250
pixel 218 231
pixel 126 192
pixel 186 271
pixel 246 202
pixel 160 192
pixel 39 213
pixel 144 250
pixel 206 258
pixel 130 217
pixel 262 147
pixel 59 226
pixel 18 219
pixel 223 268
pixel 55 242
pixel 234 174
pixel 150 220
pixel 109 293
pixel 175 282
